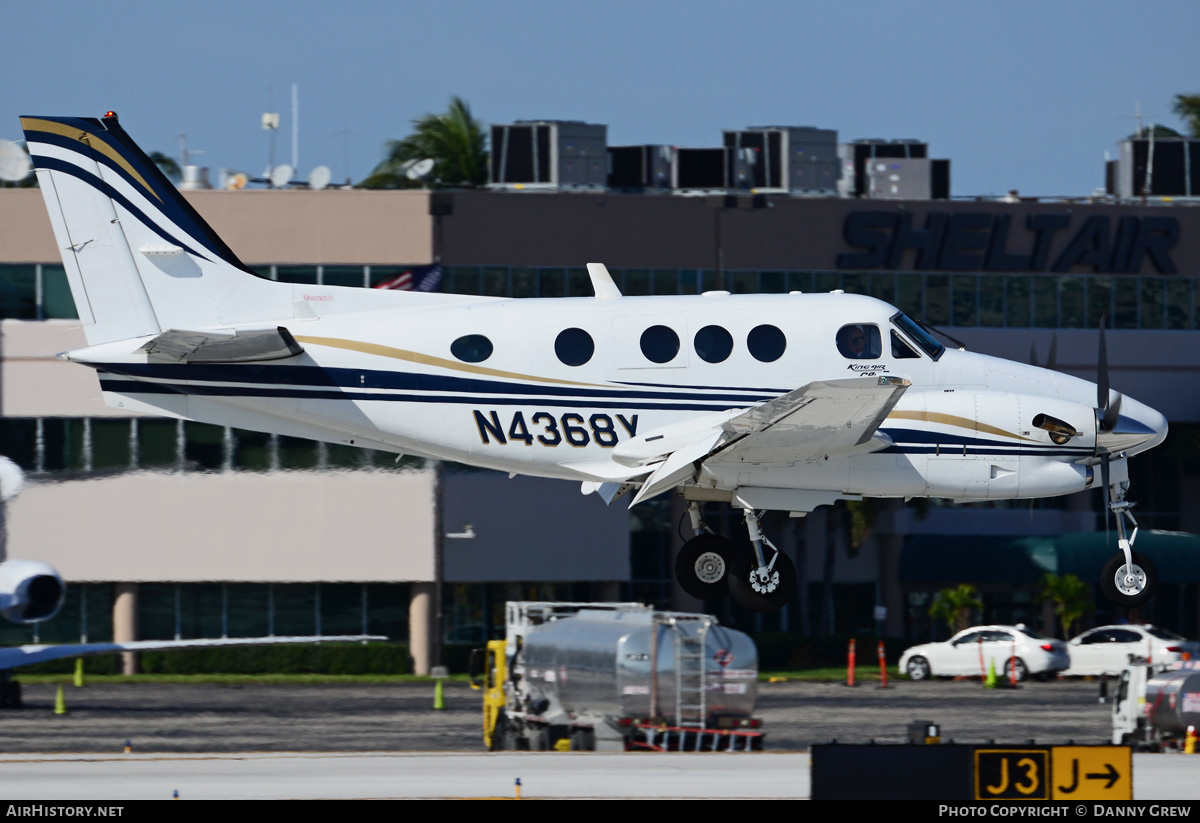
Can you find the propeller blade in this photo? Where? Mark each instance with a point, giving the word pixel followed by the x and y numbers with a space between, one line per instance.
pixel 1052 358
pixel 1033 353
pixel 1102 371
pixel 1111 413
pixel 1104 476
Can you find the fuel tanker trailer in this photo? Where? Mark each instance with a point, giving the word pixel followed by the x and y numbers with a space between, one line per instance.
pixel 616 677
pixel 1154 708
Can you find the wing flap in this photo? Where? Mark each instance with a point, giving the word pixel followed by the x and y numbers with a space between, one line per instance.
pixel 822 419
pixel 181 346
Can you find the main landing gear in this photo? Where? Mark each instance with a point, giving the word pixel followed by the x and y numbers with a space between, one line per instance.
pixel 708 567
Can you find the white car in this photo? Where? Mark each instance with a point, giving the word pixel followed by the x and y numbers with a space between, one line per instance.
pixel 1106 650
pixel 1015 650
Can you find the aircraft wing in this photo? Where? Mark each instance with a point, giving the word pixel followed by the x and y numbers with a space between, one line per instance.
pixel 823 418
pixel 180 346
pixel 12 657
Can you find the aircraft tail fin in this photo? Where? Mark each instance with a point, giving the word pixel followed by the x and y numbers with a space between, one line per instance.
pixel 139 259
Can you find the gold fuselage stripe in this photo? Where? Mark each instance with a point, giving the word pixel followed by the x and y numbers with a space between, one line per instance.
pixel 957 422
pixel 75 133
pixel 430 360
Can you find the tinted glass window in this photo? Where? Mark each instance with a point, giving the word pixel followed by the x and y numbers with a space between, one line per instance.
pixel 900 349
pixel 766 343
pixel 921 337
pixel 1125 636
pixel 660 344
pixel 969 637
pixel 859 341
pixel 574 347
pixel 473 348
pixel 713 344
pixel 1161 634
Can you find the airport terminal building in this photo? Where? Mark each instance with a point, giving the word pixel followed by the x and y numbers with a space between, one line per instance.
pixel 166 528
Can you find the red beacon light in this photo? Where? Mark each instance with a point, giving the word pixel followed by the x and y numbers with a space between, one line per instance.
pixel 110 114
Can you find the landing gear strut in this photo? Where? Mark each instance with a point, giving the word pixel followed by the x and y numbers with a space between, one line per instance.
pixel 758 582
pixel 1128 578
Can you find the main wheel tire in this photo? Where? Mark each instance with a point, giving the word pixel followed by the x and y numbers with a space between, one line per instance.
pixel 1015 669
pixel 918 669
pixel 750 591
pixel 702 566
pixel 1122 592
pixel 583 740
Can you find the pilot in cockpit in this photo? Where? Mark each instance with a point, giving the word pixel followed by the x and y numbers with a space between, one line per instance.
pixel 852 342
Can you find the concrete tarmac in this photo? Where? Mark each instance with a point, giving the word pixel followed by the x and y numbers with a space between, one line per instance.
pixel 385 740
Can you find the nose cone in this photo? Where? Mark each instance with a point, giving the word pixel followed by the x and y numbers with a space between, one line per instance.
pixel 1138 428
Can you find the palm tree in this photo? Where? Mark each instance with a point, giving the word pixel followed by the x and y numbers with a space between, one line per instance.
pixel 166 165
pixel 955 605
pixel 1187 106
pixel 455 141
pixel 1069 595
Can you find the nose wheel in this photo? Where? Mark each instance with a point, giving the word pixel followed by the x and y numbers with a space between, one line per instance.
pixel 1129 582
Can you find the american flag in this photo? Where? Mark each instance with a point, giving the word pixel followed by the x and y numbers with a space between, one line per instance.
pixel 418 278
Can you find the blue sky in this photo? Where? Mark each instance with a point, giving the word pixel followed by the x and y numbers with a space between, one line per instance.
pixel 1019 94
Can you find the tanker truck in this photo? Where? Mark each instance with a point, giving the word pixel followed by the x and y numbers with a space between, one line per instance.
pixel 1154 707
pixel 616 677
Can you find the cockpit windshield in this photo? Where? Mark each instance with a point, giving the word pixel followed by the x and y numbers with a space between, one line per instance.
pixel 918 335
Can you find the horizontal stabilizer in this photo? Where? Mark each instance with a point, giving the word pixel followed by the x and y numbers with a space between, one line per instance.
pixel 180 346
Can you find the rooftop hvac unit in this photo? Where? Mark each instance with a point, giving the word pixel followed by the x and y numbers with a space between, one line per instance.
pixel 549 154
pixel 636 168
pixel 1162 167
pixel 854 156
pixel 693 169
pixel 792 159
pixel 908 178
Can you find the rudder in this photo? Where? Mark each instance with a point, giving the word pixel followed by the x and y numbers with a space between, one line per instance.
pixel 139 259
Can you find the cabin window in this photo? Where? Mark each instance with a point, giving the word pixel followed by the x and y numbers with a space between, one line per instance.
pixel 574 347
pixel 859 341
pixel 472 348
pixel 901 349
pixel 766 343
pixel 714 344
pixel 660 344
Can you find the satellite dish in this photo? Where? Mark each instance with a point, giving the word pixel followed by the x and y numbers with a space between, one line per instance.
pixel 12 479
pixel 281 175
pixel 14 162
pixel 319 178
pixel 420 169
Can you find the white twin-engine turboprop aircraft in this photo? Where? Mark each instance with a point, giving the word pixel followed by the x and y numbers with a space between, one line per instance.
pixel 768 402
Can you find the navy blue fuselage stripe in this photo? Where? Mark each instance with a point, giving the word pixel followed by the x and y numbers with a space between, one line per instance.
pixel 167 204
pixel 975 451
pixel 140 387
pixel 931 439
pixel 318 377
pixel 92 180
pixel 716 388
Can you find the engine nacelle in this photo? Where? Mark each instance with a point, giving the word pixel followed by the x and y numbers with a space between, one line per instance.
pixel 30 591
